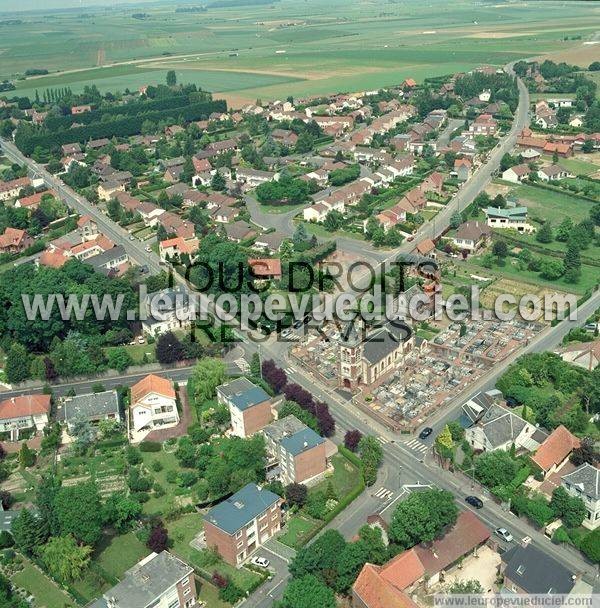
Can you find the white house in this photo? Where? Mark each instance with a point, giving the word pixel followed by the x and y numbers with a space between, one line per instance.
pixel 511 217
pixel 24 412
pixel 516 174
pixel 553 173
pixel 153 404
pixel 167 310
pixel 584 482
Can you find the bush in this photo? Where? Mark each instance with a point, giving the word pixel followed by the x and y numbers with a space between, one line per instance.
pixel 6 540
pixel 156 466
pixel 150 446
pixel 231 594
pixel 132 455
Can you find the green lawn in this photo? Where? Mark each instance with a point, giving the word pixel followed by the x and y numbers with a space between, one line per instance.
pixel 137 352
pixel 183 530
pixel 577 166
pixel 210 594
pixel 47 594
pixel 120 553
pixel 344 479
pixel 296 529
pixel 554 206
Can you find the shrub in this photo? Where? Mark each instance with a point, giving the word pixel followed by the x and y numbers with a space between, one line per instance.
pixel 156 466
pixel 150 446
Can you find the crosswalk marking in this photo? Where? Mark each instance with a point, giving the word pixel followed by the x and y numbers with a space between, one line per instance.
pixel 382 440
pixel 289 370
pixel 384 493
pixel 416 445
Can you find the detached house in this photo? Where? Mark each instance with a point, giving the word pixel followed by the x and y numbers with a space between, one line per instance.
pixel 24 412
pixel 160 580
pixel 462 168
pixel 584 483
pixel 470 236
pixel 12 188
pixel 241 524
pixel 92 407
pixel 516 174
pixel 514 218
pixel 153 404
pixel 249 406
pixel 499 429
pixel 553 173
pixel 14 240
pixel 555 450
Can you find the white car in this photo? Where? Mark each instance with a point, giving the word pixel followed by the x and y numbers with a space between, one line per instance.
pixel 261 562
pixel 148 248
pixel 504 534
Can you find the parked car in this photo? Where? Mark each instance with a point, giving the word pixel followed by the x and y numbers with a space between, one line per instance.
pixel 425 432
pixel 474 501
pixel 504 534
pixel 261 562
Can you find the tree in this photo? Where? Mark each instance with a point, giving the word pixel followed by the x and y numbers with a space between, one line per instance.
pixel 120 511
pixel 571 509
pixel 552 269
pixel 495 468
pixel 544 234
pixel 274 375
pixel 296 494
pixel 444 443
pixel 455 220
pixel 45 495
pixel 17 364
pixel 171 78
pixel 79 512
pixel 218 182
pixel 585 453
pixel 469 587
pixel 169 348
pixel 26 456
pixel 422 517
pixel 308 592
pixel 28 531
pixel 590 546
pixel 352 439
pixel 372 537
pixel 119 358
pixel 572 263
pixel 64 558
pixel 500 249
pixel 159 538
pixel 320 557
pixel 371 455
pixel 207 375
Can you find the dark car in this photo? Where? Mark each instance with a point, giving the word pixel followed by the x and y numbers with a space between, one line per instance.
pixel 425 432
pixel 474 501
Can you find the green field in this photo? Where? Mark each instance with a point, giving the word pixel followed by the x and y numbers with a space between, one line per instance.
pixel 287 48
pixel 46 593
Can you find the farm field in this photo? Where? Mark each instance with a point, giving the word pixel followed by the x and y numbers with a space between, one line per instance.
pixel 287 48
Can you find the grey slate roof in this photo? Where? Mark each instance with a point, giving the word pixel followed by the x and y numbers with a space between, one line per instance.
pixel 283 427
pixel 243 393
pixel 585 478
pixel 240 509
pixel 147 581
pixel 536 572
pixel 299 442
pixel 108 256
pixel 501 425
pixel 89 407
pixel 384 341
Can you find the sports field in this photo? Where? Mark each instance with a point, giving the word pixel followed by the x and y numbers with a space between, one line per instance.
pixel 289 47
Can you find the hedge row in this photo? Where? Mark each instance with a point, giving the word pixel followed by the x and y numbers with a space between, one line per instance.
pixel 132 125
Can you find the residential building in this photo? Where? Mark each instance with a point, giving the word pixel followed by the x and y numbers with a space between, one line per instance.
pixel 299 453
pixel 112 262
pixel 270 242
pixel 87 227
pixel 584 483
pixel 462 168
pixel 582 354
pixel 14 240
pixel 92 407
pixel 555 450
pixel 242 523
pixel 12 188
pixel 160 580
pixel 499 429
pixel 108 189
pixel 370 357
pixel 175 248
pixel 472 235
pixel 249 405
pixel 239 231
pixel 514 218
pixel 517 174
pixel 553 173
pixel 33 202
pixel 24 412
pixel 153 404
pixel 167 310
pixel 527 569
pixel 393 584
pixel 265 268
pixel 427 249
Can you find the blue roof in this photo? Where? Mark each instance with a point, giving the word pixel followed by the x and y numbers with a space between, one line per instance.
pixel 243 393
pixel 238 510
pixel 301 441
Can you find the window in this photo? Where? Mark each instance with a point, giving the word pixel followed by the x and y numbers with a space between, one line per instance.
pixel 239 534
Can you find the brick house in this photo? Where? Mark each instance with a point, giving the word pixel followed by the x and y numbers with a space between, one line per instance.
pixel 160 580
pixel 249 406
pixel 299 452
pixel 239 525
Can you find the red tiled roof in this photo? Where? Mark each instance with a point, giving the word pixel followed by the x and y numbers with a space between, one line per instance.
pixel 555 448
pixel 53 259
pixel 404 570
pixel 152 384
pixel 374 592
pixel 24 405
pixel 467 533
pixel 265 267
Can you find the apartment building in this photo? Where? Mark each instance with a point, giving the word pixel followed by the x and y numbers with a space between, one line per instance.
pixel 238 526
pixel 249 406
